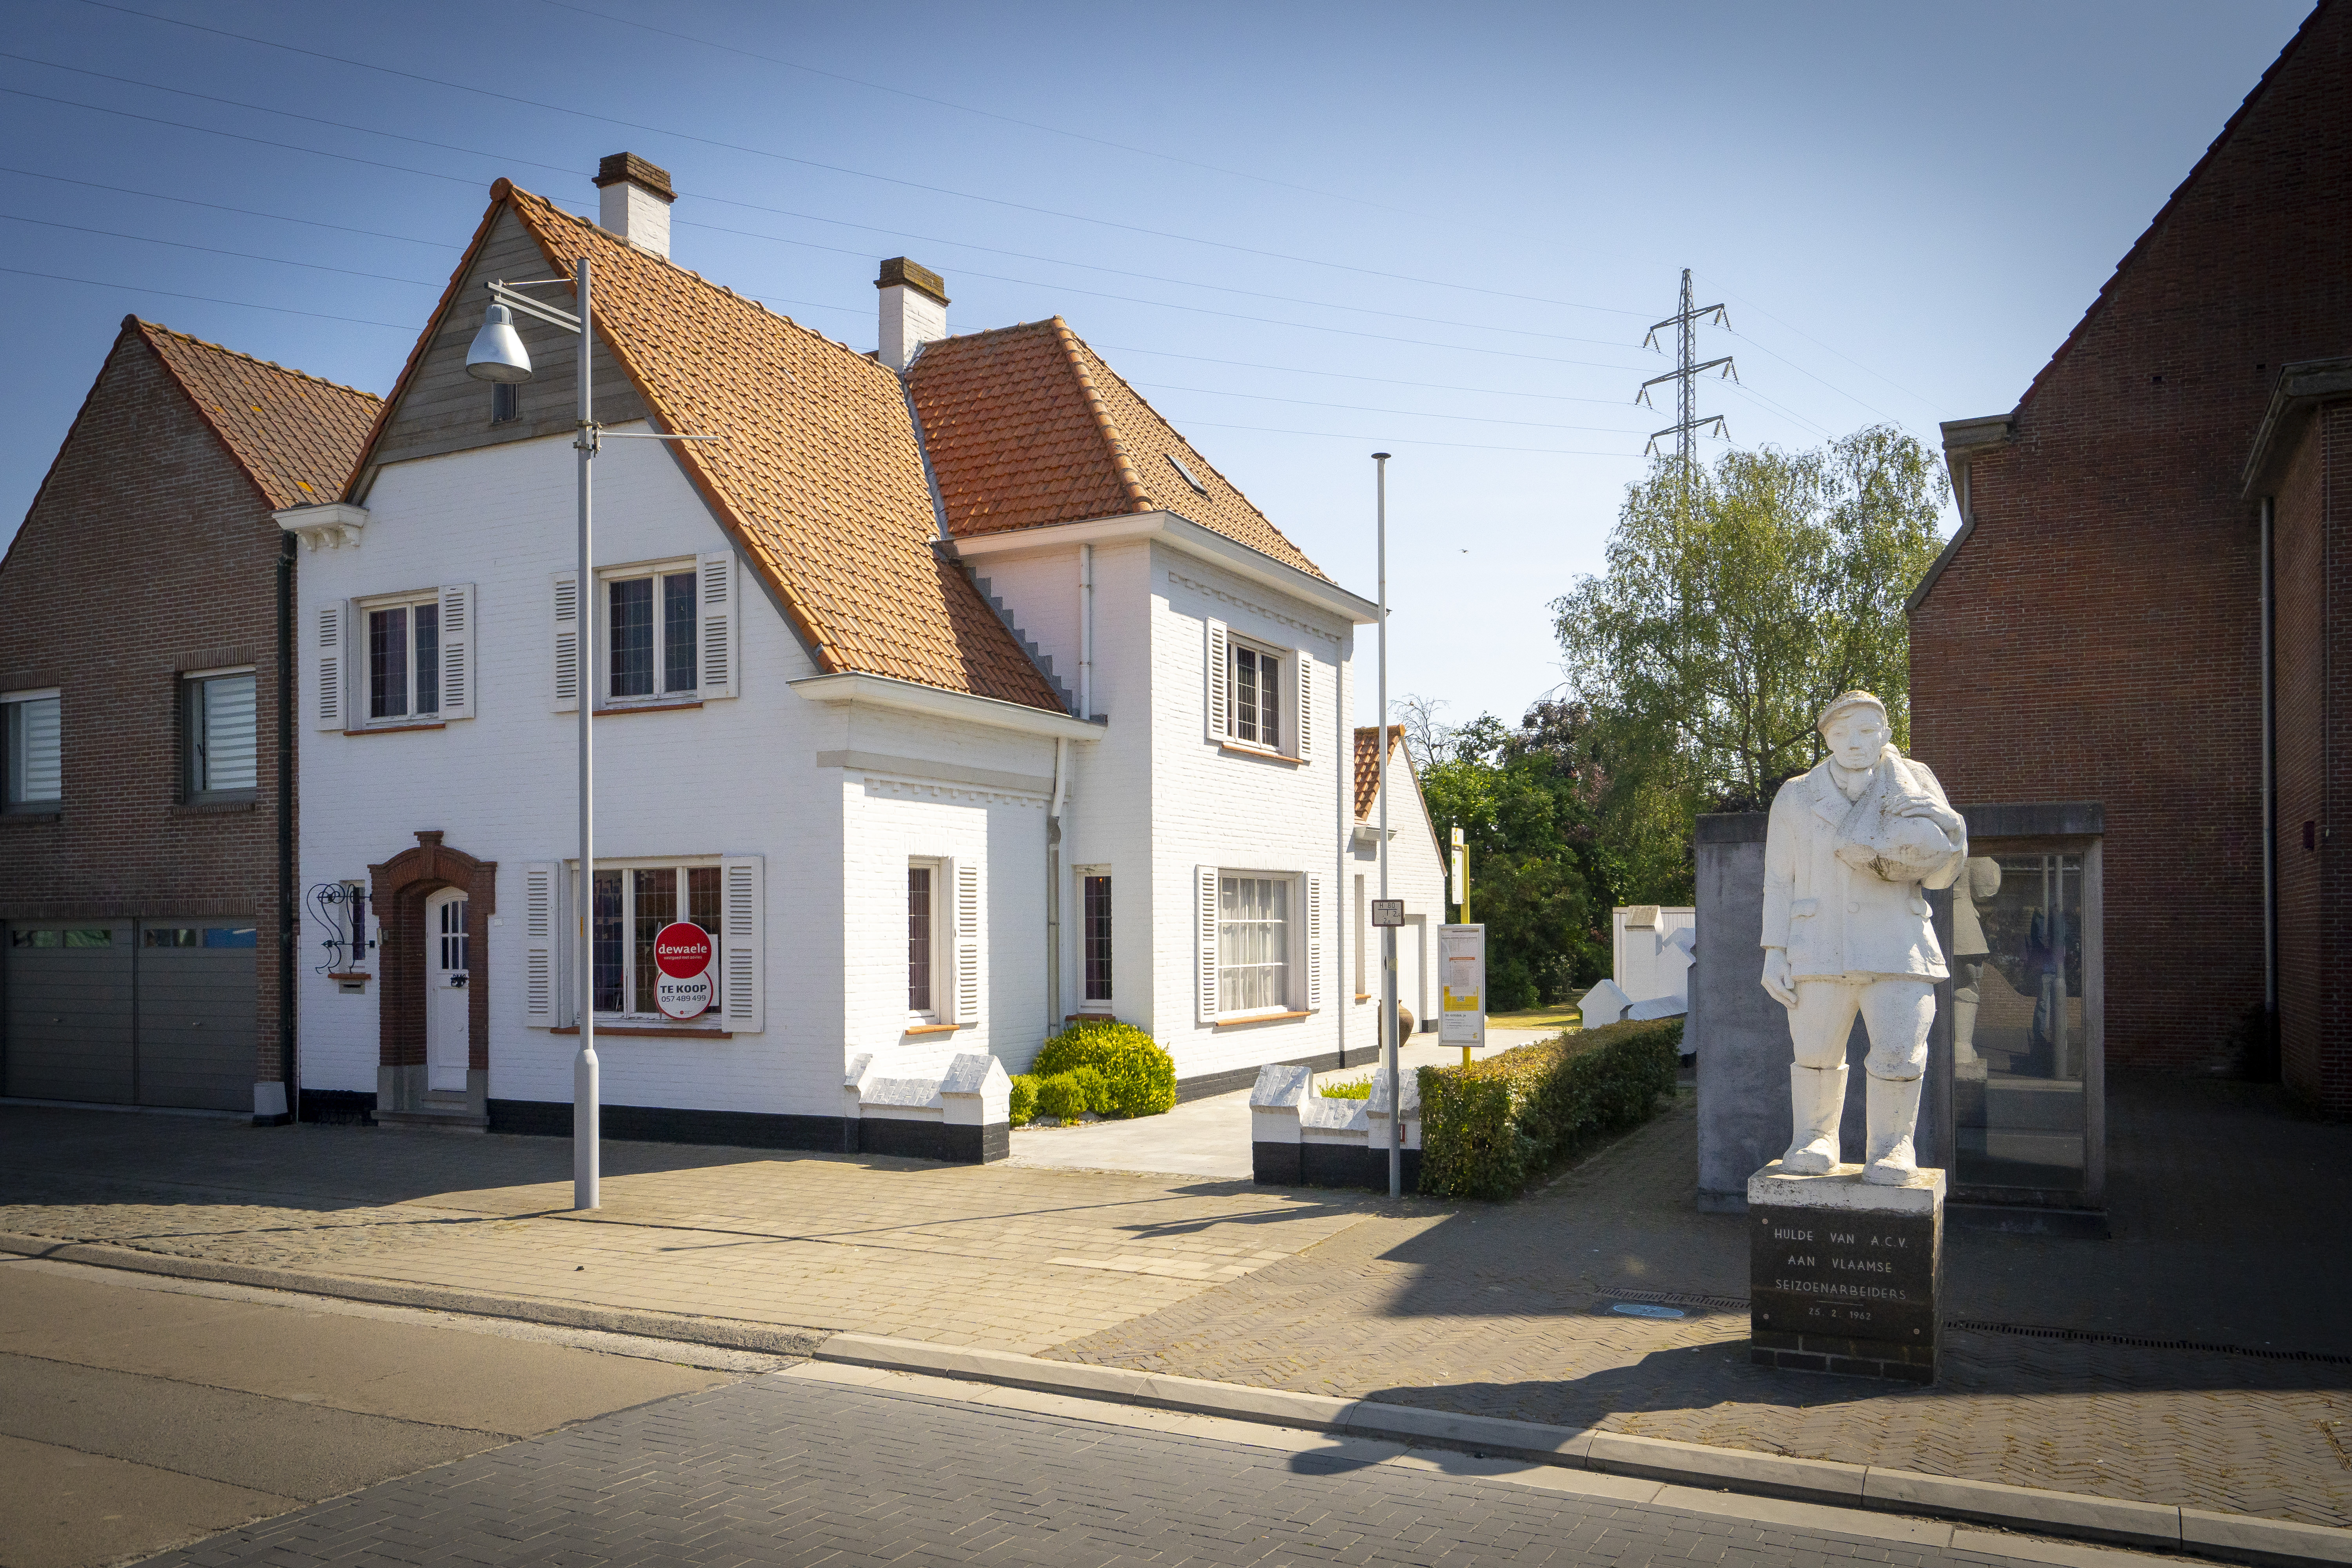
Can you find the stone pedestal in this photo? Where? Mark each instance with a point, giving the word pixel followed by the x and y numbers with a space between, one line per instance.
pixel 1844 1276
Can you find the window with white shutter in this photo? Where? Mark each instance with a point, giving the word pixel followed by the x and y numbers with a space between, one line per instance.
pixel 965 937
pixel 1302 706
pixel 333 621
pixel 545 998
pixel 721 587
pixel 458 650
pixel 742 988
pixel 1219 702
pixel 1206 919
pixel 1314 942
pixel 566 646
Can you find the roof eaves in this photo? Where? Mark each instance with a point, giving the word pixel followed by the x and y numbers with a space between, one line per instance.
pixel 2301 386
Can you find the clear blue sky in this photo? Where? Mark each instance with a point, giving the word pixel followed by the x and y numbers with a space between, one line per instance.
pixel 1305 231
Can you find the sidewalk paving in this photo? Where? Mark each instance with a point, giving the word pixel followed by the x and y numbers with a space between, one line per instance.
pixel 1483 1308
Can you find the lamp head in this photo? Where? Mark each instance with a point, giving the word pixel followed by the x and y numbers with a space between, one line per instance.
pixel 498 353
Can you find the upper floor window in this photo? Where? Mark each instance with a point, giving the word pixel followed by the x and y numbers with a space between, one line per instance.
pixel 30 749
pixel 650 629
pixel 1254 678
pixel 1260 698
pixel 506 401
pixel 403 658
pixel 219 719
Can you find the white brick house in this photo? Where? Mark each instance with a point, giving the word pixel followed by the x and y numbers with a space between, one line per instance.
pixel 954 697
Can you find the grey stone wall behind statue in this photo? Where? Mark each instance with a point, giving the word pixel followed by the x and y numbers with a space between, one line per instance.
pixel 1741 1036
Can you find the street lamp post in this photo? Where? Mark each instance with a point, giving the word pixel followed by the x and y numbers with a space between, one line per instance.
pixel 497 355
pixel 1388 934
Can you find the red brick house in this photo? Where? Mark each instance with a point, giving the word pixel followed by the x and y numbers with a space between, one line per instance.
pixel 146 819
pixel 2144 605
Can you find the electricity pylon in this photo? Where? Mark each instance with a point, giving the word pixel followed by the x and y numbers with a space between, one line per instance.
pixel 1688 421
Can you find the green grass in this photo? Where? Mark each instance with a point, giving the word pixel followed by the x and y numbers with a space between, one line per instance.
pixel 1563 1017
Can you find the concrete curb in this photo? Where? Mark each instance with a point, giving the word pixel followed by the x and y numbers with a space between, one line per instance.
pixel 2235 1538
pixel 727 1334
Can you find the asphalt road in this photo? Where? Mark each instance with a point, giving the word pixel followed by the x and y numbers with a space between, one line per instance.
pixel 138 1414
pixel 243 1426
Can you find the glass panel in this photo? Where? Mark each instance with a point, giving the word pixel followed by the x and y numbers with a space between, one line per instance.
pixel 226 756
pixel 234 936
pixel 388 663
pixel 919 938
pixel 506 401
pixel 656 906
pixel 633 638
pixel 1253 943
pixel 1244 694
pixel 1269 701
pixel 33 751
pixel 428 658
pixel 168 936
pixel 678 611
pixel 604 945
pixel 453 936
pixel 1097 939
pixel 2018 1033
pixel 702 909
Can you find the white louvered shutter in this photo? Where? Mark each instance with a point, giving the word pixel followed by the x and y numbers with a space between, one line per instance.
pixel 965 981
pixel 1205 898
pixel 1314 942
pixel 457 651
pixel 542 937
pixel 1302 705
pixel 567 641
pixel 742 916
pixel 1219 726
pixel 721 588
pixel 333 656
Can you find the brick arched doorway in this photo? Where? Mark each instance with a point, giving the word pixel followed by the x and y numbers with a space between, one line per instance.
pixel 402 892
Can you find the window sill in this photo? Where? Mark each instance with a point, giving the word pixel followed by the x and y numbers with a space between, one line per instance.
pixel 1241 750
pixel 1363 995
pixel 643 1032
pixel 676 707
pixel 1239 1020
pixel 395 728
pixel 349 974
pixel 933 1028
pixel 215 807
pixel 1106 1016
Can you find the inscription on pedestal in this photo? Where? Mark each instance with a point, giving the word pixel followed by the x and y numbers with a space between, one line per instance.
pixel 1844 1285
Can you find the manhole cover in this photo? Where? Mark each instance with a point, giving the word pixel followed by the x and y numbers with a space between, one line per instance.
pixel 1646 1309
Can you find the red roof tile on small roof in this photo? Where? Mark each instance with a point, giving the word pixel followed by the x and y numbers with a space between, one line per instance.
pixel 819 476
pixel 1368 765
pixel 1027 425
pixel 297 436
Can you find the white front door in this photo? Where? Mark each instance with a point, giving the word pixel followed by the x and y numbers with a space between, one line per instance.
pixel 445 980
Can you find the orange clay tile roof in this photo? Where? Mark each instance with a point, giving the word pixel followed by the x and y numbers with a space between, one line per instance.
pixel 1368 767
pixel 1026 426
pixel 297 436
pixel 819 476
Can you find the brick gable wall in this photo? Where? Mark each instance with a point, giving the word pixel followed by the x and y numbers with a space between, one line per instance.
pixel 147 552
pixel 2098 634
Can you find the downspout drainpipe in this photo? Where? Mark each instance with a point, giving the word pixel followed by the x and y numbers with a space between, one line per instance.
pixel 287 914
pixel 1086 631
pixel 2267 1068
pixel 1053 890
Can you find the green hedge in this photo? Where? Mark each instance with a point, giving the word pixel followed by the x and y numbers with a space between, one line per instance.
pixel 1024 1099
pixel 1139 1079
pixel 1488 1128
pixel 1061 1096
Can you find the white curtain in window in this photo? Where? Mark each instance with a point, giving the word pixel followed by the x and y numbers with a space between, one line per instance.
pixel 229 757
pixel 33 774
pixel 1253 943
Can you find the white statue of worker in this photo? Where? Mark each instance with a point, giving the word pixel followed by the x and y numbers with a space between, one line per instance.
pixel 1849 849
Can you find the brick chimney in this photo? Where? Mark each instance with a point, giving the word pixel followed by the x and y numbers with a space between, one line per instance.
pixel 635 205
pixel 914 311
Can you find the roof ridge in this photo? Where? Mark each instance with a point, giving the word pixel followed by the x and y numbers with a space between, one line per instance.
pixel 145 325
pixel 1138 498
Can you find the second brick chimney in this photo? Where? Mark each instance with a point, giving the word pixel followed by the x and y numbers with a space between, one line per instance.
pixel 635 198
pixel 914 311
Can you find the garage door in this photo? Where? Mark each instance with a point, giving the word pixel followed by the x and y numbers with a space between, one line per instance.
pixel 68 1011
pixel 145 1013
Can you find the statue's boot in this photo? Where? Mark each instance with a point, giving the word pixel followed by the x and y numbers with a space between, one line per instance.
pixel 1964 1035
pixel 1893 1107
pixel 1817 1098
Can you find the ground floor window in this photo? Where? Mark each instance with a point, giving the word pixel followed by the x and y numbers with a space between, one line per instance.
pixel 1253 943
pixel 631 905
pixel 1095 933
pixel 922 939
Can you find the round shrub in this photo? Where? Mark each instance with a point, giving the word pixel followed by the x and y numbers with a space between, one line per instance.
pixel 1024 1099
pixel 1094 1086
pixel 1061 1096
pixel 1138 1077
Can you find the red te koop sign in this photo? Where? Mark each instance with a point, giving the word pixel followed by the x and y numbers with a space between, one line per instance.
pixel 682 951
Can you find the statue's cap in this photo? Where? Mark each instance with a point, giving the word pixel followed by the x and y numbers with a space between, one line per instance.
pixel 1847 702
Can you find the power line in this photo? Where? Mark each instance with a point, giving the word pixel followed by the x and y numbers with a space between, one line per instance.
pixel 1365 409
pixel 216 206
pixel 1412 441
pixel 215 250
pixel 208 299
